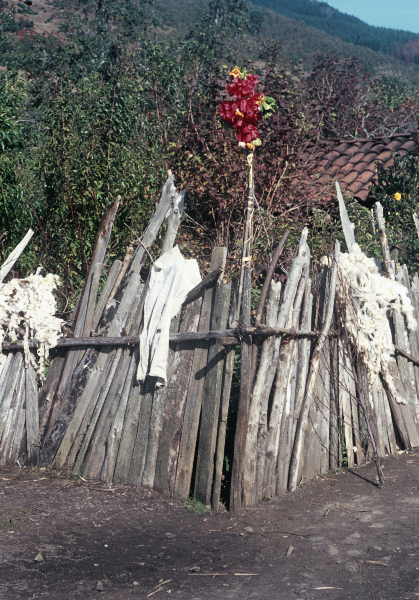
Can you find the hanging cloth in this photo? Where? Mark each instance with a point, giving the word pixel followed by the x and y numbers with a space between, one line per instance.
pixel 172 277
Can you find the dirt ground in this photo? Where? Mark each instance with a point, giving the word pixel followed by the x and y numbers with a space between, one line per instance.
pixel 337 538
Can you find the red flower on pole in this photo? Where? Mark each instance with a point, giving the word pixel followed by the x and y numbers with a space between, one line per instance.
pixel 244 112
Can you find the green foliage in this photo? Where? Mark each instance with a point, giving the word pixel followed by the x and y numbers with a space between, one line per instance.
pixel 401 178
pixel 15 211
pixel 98 144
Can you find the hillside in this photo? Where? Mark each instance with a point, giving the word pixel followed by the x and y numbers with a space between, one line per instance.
pixel 305 28
pixel 346 27
pixel 302 36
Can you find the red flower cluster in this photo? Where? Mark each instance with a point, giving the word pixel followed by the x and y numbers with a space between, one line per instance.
pixel 244 112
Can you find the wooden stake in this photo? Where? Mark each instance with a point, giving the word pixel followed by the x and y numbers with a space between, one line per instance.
pixel 302 422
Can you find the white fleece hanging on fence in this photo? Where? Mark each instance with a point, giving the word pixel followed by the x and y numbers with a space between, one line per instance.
pixel 172 277
pixel 27 308
pixel 366 296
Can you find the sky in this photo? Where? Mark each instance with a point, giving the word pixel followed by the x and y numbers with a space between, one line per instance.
pixel 397 14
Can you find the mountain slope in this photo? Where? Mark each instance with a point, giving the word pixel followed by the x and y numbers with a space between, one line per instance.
pixel 348 28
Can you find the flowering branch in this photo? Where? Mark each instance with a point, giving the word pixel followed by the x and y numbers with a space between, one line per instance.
pixel 247 107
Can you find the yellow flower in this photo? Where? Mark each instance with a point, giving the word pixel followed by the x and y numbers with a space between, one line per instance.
pixel 397 196
pixel 384 220
pixel 250 146
pixel 261 99
pixel 239 113
pixel 235 72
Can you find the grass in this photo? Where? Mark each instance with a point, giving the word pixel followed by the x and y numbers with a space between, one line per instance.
pixel 196 506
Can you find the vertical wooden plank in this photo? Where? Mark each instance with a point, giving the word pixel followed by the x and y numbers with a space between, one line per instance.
pixel 225 403
pixel 281 421
pixel 263 387
pixel 195 390
pixel 324 409
pixel 334 434
pixel 7 388
pixel 12 421
pixel 414 336
pixel 96 455
pixel 170 416
pixel 107 288
pixel 78 422
pixel 99 251
pixel 114 436
pixel 211 399
pixel 32 416
pixel 88 323
pixel 392 445
pixel 279 478
pixel 157 407
pixel 103 385
pixel 65 410
pixel 172 427
pixel 258 412
pixel 346 388
pixel 302 421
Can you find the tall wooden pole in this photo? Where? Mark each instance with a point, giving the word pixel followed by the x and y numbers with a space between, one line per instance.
pixel 246 352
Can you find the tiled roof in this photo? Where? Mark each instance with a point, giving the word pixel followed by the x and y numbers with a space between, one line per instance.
pixel 352 162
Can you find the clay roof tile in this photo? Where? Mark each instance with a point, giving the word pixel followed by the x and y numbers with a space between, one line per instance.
pixel 394 145
pixel 349 178
pixel 355 187
pixel 342 147
pixel 366 176
pixel 378 148
pixel 360 167
pixel 362 194
pixel 341 161
pixel 351 151
pixel 366 146
pixel 410 145
pixel 357 157
pixel 384 156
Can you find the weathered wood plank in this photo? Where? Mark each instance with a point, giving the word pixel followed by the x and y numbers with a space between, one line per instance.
pixel 158 404
pixel 262 389
pixel 64 411
pixel 79 423
pixel 258 411
pixel 280 427
pixel 32 416
pixel 173 221
pixel 383 240
pixel 87 429
pixel 284 438
pixel 14 255
pixel 334 435
pixel 107 289
pixel 195 390
pixel 7 388
pixel 12 421
pixel 302 422
pixel 263 297
pixel 115 433
pixel 46 395
pixel 225 403
pixel 90 310
pixel 172 423
pixel 99 251
pixel 346 388
pixel 211 400
pixel 347 226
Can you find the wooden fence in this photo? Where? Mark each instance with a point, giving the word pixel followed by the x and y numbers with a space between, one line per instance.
pixel 304 406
